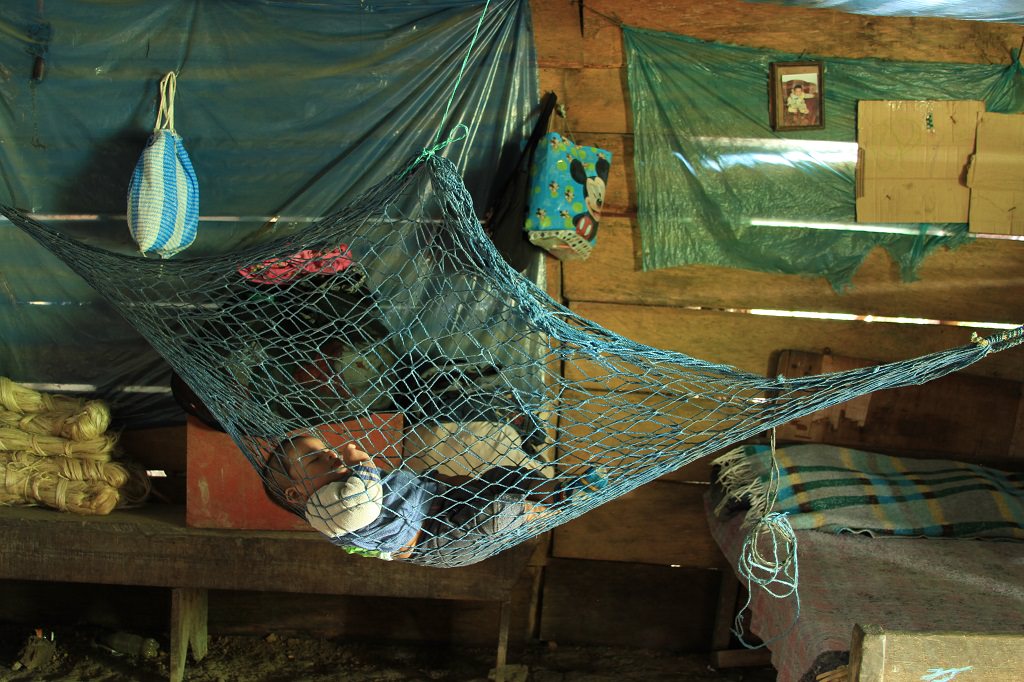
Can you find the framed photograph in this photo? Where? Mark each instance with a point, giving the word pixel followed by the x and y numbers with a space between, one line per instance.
pixel 796 96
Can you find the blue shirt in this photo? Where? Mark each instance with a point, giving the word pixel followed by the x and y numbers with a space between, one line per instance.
pixel 406 505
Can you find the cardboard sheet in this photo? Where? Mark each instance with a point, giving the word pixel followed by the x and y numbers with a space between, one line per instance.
pixel 996 175
pixel 912 161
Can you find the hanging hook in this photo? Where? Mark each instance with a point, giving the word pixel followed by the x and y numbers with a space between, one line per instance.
pixel 39 35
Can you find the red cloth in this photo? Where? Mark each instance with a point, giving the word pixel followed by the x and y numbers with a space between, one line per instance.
pixel 308 261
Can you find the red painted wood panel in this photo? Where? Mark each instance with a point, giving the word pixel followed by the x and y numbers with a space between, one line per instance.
pixel 225 491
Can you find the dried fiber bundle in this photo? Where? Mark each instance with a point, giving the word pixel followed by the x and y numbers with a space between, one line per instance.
pixel 95 448
pixel 69 484
pixel 55 452
pixel 18 398
pixel 86 423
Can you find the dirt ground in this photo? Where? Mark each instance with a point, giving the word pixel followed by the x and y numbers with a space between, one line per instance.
pixel 83 655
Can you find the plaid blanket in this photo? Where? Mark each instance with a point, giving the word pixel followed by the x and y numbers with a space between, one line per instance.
pixel 836 490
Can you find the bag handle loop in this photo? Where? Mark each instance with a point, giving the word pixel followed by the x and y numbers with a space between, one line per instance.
pixel 165 116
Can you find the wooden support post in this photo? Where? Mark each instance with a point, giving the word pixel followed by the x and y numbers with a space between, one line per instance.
pixel 189 608
pixel 505 622
pixel 728 590
pixel 741 658
pixel 721 635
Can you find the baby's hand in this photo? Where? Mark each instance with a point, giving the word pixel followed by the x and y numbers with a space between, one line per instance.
pixel 351 455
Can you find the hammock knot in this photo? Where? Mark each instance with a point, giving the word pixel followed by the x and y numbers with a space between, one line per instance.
pixel 769 554
pixel 1005 339
pixel 459 132
pixel 768 560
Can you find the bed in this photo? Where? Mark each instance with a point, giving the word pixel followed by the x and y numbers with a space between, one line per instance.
pixel 956 599
pixel 914 585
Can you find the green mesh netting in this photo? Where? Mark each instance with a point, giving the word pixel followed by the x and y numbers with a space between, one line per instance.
pixel 518 415
pixel 717 186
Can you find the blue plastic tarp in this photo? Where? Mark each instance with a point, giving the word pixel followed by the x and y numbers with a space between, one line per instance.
pixel 288 109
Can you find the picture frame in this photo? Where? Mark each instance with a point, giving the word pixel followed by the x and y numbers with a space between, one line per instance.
pixel 796 96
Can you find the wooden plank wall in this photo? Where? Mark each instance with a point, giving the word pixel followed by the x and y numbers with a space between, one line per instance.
pixel 657 536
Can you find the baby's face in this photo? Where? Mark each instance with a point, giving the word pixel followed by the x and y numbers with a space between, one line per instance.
pixel 311 465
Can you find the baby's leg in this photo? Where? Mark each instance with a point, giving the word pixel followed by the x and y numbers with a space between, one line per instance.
pixel 512 484
pixel 455 535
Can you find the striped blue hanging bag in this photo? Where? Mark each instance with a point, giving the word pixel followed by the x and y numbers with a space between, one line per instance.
pixel 163 197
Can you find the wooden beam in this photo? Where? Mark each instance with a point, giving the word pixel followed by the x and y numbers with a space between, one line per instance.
pixel 152 546
pixel 877 653
pixel 504 622
pixel 980 281
pixel 821 32
pixel 748 341
pixel 628 605
pixel 659 523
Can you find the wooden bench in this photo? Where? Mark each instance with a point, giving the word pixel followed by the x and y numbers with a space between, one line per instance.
pixel 153 547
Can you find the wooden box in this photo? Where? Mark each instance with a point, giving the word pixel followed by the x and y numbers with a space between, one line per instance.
pixel 878 653
pixel 224 490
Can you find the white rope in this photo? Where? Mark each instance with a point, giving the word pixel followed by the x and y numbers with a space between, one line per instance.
pixel 165 116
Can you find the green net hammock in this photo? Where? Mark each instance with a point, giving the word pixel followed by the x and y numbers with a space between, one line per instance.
pixel 516 414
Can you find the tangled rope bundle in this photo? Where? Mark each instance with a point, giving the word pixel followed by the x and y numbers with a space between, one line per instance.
pixel 55 451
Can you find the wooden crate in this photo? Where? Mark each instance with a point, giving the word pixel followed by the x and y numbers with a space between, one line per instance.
pixel 225 491
pixel 894 656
